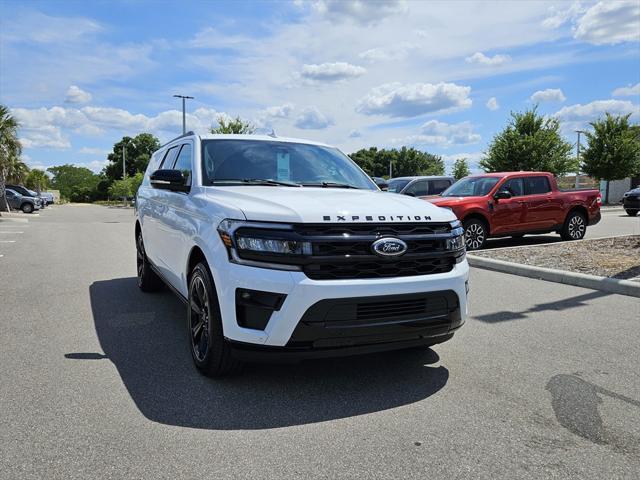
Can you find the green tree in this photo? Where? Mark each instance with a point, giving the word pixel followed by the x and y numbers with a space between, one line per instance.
pixel 460 169
pixel 120 188
pixel 37 180
pixel 138 151
pixel 530 142
pixel 233 125
pixel 406 161
pixel 410 161
pixel 613 149
pixel 77 184
pixel 10 150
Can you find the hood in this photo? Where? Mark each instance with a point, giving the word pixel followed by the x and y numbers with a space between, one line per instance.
pixel 318 205
pixel 451 201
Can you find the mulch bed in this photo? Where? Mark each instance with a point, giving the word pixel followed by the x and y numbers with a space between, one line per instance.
pixel 616 257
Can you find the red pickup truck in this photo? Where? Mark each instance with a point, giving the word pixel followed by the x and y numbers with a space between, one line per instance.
pixel 516 203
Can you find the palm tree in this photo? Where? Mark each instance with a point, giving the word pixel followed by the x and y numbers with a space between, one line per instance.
pixel 37 179
pixel 10 150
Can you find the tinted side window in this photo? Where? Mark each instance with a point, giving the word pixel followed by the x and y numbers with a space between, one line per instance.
pixel 183 163
pixel 438 186
pixel 169 158
pixel 419 188
pixel 536 185
pixel 515 186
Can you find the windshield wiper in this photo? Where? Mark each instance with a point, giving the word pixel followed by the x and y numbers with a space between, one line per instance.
pixel 330 185
pixel 254 181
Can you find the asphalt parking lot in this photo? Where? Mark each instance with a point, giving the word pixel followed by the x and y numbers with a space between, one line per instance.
pixel 97 381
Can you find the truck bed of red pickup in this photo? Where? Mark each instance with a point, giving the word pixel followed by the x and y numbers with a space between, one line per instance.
pixel 516 203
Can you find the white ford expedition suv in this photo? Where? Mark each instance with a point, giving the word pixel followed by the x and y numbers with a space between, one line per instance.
pixel 285 248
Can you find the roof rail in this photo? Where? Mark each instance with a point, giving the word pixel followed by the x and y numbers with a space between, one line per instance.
pixel 189 133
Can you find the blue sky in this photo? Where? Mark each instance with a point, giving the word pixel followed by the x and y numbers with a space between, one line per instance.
pixel 440 76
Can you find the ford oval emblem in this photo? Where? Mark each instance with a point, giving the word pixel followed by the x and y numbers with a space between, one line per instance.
pixel 389 247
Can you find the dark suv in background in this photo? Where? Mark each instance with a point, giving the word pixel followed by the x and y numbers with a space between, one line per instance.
pixel 21 202
pixel 25 192
pixel 631 202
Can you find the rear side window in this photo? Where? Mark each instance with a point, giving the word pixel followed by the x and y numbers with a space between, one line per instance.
pixel 438 186
pixel 515 186
pixel 169 158
pixel 183 162
pixel 536 185
pixel 419 188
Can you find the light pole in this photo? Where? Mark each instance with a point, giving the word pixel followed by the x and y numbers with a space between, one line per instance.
pixel 184 122
pixel 578 157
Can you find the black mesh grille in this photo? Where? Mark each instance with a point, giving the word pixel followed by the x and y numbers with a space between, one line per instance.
pixel 344 251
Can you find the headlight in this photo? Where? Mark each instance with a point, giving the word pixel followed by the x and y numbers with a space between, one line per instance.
pixel 456 242
pixel 269 245
pixel 263 244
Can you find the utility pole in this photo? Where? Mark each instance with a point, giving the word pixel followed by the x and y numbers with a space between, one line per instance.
pixel 184 121
pixel 124 157
pixel 578 158
pixel 390 168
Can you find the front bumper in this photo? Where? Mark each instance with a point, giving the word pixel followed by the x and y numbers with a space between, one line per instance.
pixel 294 329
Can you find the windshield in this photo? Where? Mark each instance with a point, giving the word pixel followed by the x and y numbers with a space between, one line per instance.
pixel 471 187
pixel 396 186
pixel 248 162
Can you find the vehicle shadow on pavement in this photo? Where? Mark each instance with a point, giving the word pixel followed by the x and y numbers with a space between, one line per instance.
pixel 145 337
pixel 559 305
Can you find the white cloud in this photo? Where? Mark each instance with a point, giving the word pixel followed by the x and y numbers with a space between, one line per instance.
pixel 548 95
pixel 365 12
pixel 559 16
pixel 331 72
pixel 492 104
pixel 94 151
pixel 575 117
pixel 606 22
pixel 410 100
pixel 312 119
pixel 482 59
pixel 610 23
pixel 398 51
pixel 628 91
pixel 46 128
pixel 77 95
pixel 36 27
pixel 442 134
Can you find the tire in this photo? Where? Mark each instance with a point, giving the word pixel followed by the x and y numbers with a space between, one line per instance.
pixel 148 280
pixel 210 351
pixel 575 226
pixel 631 213
pixel 26 208
pixel 475 233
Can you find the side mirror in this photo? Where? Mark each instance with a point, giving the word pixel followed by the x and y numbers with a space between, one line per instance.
pixel 383 186
pixel 503 194
pixel 172 180
pixel 411 194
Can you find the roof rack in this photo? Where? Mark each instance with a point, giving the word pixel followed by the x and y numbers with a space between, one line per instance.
pixel 189 133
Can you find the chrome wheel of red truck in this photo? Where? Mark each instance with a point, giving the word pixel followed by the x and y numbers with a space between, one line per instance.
pixel 475 234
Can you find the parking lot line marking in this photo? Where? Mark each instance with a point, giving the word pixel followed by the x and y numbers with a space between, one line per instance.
pixel 9 231
pixel 7 241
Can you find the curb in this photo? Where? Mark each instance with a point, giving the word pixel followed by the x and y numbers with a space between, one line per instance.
pixel 605 284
